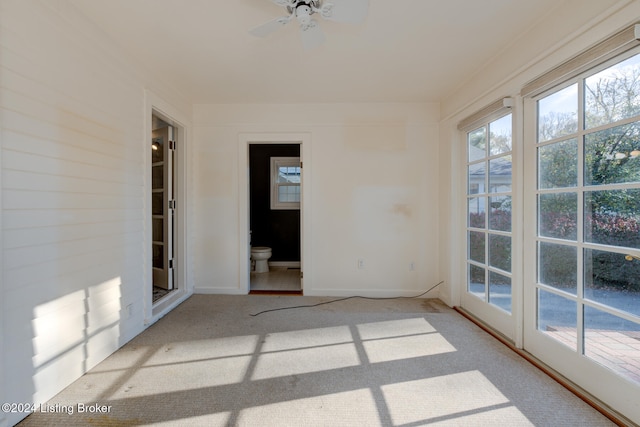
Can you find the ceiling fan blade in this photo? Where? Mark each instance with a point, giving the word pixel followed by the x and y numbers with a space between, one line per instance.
pixel 345 11
pixel 312 35
pixel 284 2
pixel 269 27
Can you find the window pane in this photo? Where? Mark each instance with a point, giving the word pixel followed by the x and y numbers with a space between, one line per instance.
pixel 500 213
pixel 500 252
pixel 157 177
pixel 612 217
pixel 158 256
pixel 558 266
pixel 613 94
pixel 157 203
pixel 477 143
pixel 476 175
pixel 289 193
pixel 558 165
pixel 558 215
pixel 158 229
pixel 157 150
pixel 500 291
pixel 500 175
pixel 500 135
pixel 557 317
pixel 613 280
pixel 289 174
pixel 612 156
pixel 558 114
pixel 477 246
pixel 477 212
pixel 612 342
pixel 476 281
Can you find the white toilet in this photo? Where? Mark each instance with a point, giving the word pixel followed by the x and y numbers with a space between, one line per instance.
pixel 260 255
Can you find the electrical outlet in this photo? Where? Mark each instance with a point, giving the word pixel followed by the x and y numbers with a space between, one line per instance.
pixel 360 264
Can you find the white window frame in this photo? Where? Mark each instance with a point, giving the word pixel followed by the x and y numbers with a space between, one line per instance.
pixel 276 164
pixel 588 374
pixel 504 322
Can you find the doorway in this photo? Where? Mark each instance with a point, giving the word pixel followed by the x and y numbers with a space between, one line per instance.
pixel 274 216
pixel 163 207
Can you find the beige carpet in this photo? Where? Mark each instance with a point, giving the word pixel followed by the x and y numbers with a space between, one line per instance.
pixel 351 363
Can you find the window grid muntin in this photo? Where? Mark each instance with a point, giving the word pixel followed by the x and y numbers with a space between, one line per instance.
pixel 486 195
pixel 580 189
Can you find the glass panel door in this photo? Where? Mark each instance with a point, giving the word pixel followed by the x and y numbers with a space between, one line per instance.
pixel 162 207
pixel 587 242
pixel 489 215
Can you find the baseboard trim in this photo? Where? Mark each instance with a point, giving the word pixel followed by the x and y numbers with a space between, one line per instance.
pixel 274 292
pixel 288 264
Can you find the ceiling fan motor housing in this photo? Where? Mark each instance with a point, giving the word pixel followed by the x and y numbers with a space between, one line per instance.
pixel 302 11
pixel 311 4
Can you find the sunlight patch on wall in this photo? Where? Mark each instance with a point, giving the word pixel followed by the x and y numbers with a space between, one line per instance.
pixel 52 317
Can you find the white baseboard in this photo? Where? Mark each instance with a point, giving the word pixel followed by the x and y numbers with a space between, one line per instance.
pixel 218 291
pixel 288 264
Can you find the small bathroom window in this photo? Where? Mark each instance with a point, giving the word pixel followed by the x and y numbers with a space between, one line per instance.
pixel 285 182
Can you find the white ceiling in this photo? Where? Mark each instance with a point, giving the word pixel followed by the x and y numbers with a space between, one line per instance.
pixel 405 51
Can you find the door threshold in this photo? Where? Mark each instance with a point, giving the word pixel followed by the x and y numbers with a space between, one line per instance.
pixel 273 292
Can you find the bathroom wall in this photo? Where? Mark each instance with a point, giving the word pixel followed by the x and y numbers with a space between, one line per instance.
pixel 373 192
pixel 277 229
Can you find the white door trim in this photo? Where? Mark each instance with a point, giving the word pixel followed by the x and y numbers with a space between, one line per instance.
pixel 155 105
pixel 246 139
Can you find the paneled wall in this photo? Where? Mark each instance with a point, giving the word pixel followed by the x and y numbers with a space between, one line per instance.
pixel 72 117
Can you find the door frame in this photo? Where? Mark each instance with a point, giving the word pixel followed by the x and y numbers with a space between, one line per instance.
pixel 244 264
pixel 155 105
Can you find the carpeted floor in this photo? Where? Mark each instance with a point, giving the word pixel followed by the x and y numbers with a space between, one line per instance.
pixel 351 363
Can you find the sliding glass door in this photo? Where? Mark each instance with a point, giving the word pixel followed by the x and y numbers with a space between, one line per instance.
pixel 582 288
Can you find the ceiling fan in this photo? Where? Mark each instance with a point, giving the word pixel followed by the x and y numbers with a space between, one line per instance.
pixel 303 11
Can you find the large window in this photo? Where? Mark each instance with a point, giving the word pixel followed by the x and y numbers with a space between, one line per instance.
pixel 489 234
pixel 588 216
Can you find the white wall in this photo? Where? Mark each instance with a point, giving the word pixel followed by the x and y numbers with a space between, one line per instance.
pixel 72 117
pixel 374 189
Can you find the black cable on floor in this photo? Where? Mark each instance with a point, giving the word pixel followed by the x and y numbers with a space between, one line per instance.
pixel 344 299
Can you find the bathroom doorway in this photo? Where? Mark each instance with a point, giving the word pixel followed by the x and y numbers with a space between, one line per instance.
pixel 275 173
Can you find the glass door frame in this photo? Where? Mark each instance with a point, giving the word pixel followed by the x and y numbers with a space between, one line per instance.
pixel 600 381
